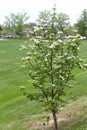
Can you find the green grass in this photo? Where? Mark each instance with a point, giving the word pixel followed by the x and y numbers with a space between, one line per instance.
pixel 14 107
pixel 16 111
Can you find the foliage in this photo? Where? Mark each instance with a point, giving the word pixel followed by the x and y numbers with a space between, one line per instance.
pixel 15 23
pixel 63 21
pixel 50 60
pixel 82 23
pixel 44 17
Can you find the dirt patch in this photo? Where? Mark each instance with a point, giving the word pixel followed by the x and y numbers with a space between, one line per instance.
pixel 44 125
pixel 71 113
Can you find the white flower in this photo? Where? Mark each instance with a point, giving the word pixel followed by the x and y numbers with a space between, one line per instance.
pixel 61 77
pixel 52 46
pixel 69 37
pixel 35 53
pixel 23 58
pixel 60 41
pixel 27 57
pixel 47 55
pixel 36 28
pixel 78 48
pixel 22 87
pixel 75 30
pixel 45 59
pixel 60 32
pixel 69 58
pixel 23 66
pixel 55 43
pixel 23 47
pixel 53 85
pixel 82 38
pixel 85 65
pixel 36 41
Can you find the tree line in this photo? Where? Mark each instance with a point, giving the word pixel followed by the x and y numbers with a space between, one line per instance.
pixel 18 25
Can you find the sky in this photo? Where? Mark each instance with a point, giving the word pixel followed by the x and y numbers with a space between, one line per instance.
pixel 73 8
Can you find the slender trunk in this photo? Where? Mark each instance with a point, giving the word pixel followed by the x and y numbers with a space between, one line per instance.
pixel 52 77
pixel 55 119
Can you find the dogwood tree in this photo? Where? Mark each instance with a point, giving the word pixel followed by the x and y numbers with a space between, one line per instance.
pixel 50 59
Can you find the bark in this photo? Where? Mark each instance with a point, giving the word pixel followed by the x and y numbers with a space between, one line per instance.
pixel 55 119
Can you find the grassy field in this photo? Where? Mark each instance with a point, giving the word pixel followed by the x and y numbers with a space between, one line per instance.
pixel 16 111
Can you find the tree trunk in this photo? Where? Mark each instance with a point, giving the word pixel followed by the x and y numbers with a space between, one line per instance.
pixel 55 119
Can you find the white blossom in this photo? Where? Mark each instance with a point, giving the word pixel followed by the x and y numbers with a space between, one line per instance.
pixel 81 38
pixel 60 32
pixel 75 30
pixel 23 47
pixel 36 41
pixel 78 48
pixel 52 46
pixel 23 58
pixel 60 41
pixel 61 77
pixel 23 66
pixel 22 87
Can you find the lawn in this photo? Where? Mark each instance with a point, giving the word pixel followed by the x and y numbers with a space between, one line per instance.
pixel 16 111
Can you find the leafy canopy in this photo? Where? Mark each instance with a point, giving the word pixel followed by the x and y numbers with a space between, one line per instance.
pixel 82 23
pixel 50 60
pixel 15 23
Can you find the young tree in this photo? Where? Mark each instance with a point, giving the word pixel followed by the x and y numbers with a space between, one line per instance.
pixel 50 60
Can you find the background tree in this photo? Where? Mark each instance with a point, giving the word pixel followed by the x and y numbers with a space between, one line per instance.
pixel 81 24
pixel 15 23
pixel 10 24
pixel 1 29
pixel 63 22
pixel 50 61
